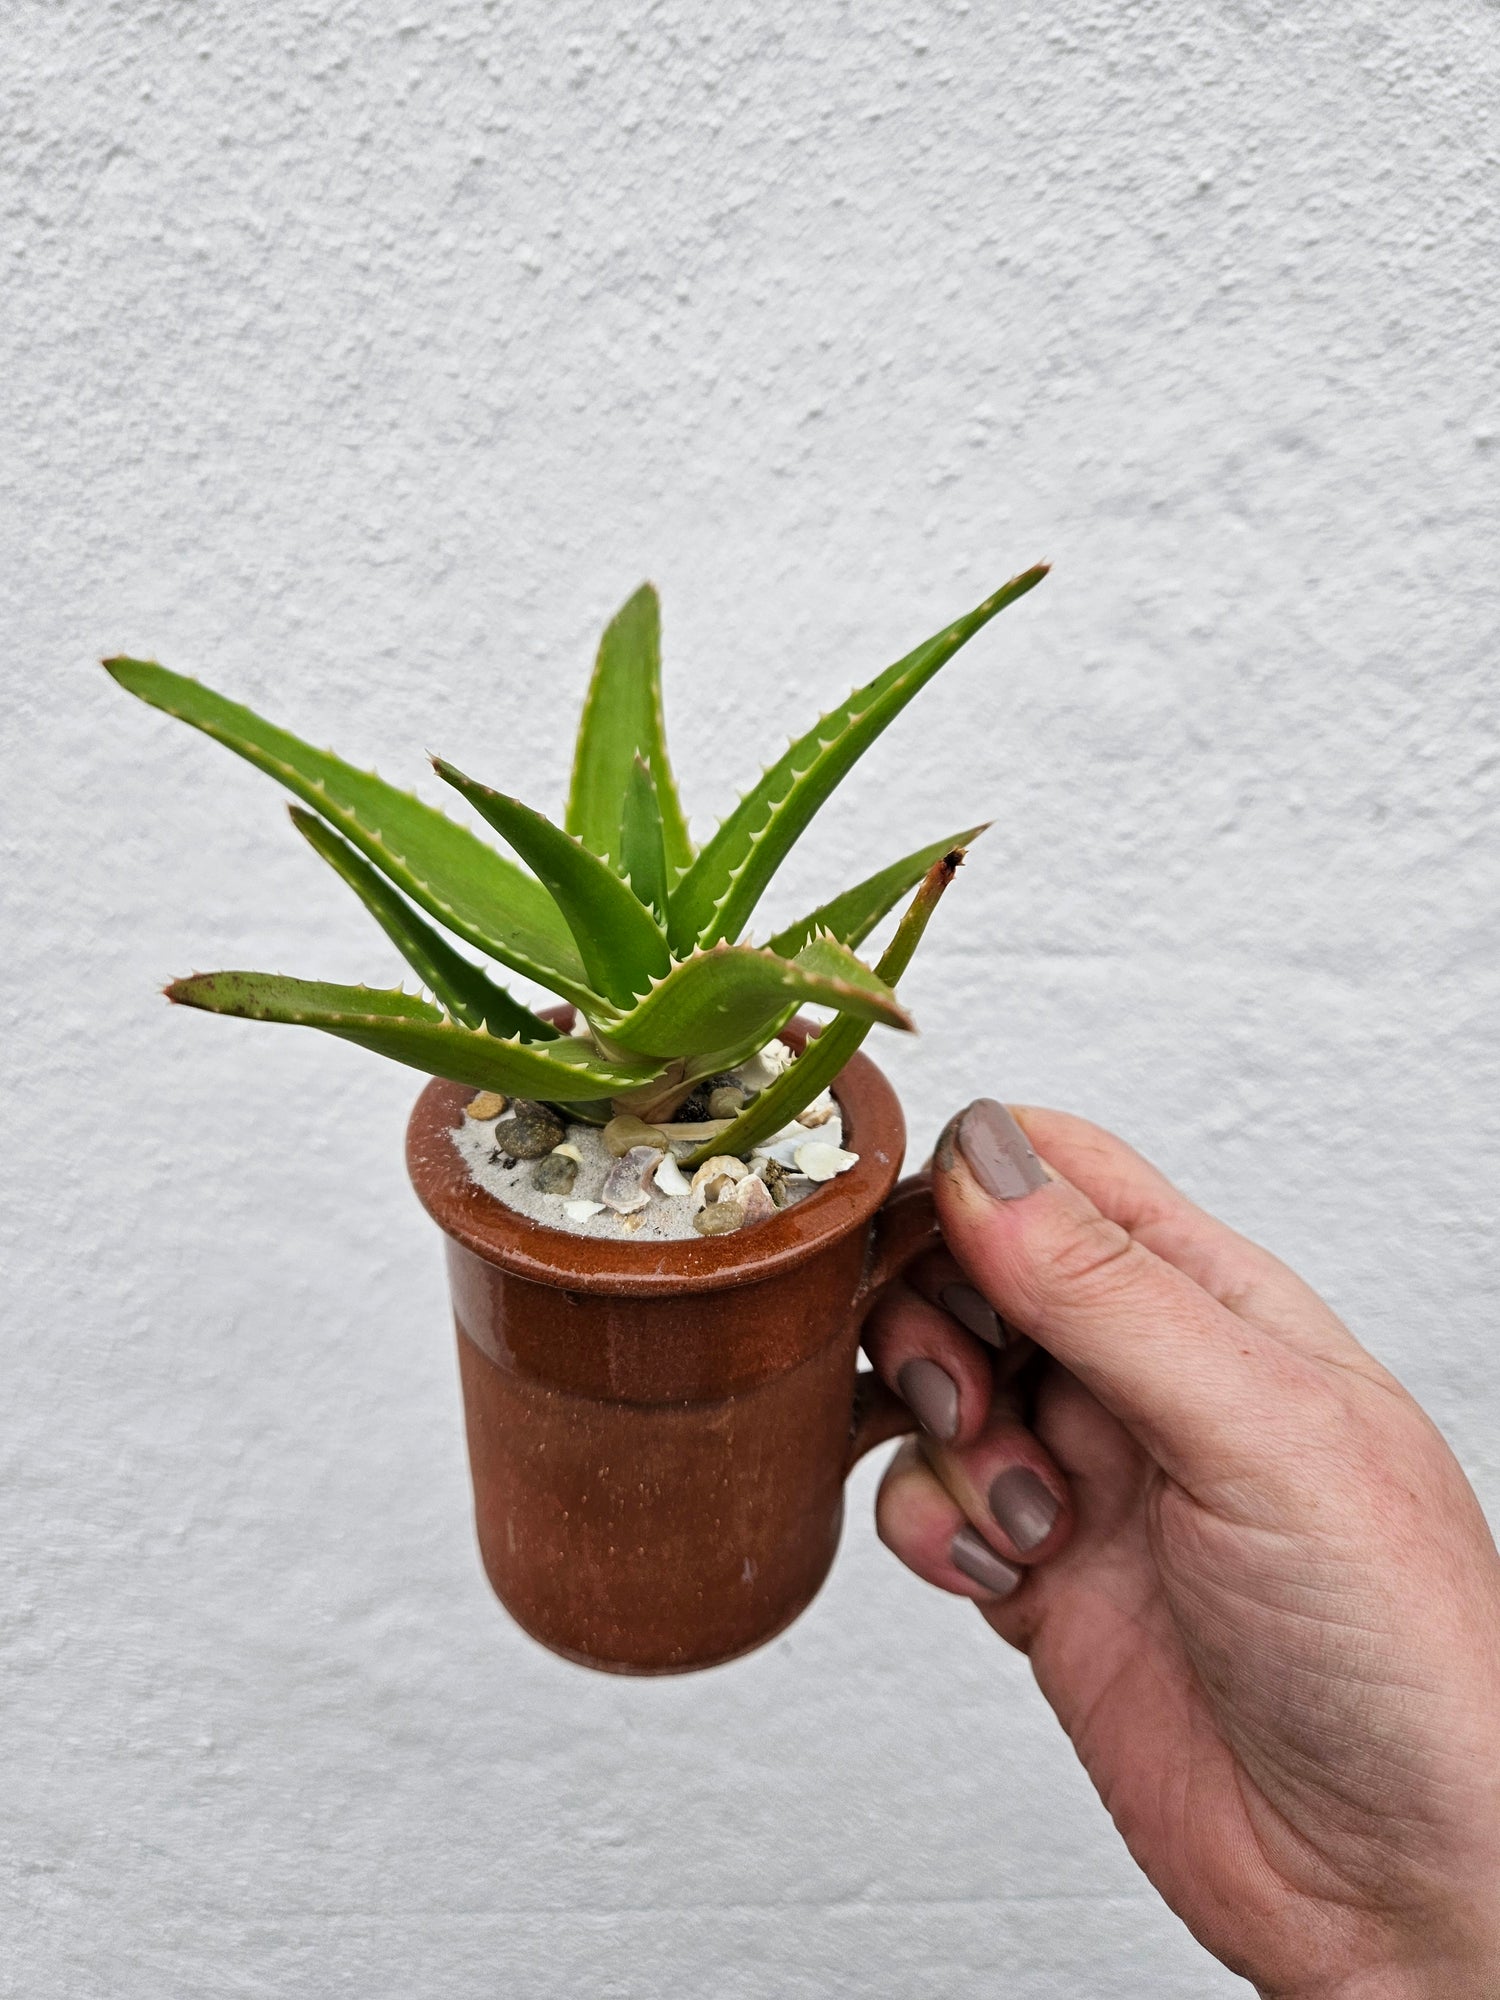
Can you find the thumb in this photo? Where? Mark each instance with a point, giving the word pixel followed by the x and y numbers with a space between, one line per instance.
pixel 1194 1383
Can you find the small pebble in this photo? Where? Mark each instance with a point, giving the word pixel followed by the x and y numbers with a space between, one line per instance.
pixel 724 1102
pixel 720 1218
pixel 693 1108
pixel 773 1173
pixel 625 1188
pixel 555 1173
pixel 820 1162
pixel 530 1131
pixel 627 1131
pixel 488 1104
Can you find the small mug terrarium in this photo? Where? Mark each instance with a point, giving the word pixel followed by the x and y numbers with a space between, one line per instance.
pixel 668 1200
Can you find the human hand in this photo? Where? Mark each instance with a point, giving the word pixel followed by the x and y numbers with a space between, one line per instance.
pixel 1253 1582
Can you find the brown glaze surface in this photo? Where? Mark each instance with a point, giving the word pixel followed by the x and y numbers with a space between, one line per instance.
pixel 659 1432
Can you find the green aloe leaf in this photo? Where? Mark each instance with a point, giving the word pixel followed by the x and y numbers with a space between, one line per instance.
pixel 826 958
pixel 726 996
pixel 412 1031
pixel 622 719
pixel 715 897
pixel 643 854
pixel 825 1055
pixel 851 917
pixel 467 992
pixel 618 939
pixel 477 893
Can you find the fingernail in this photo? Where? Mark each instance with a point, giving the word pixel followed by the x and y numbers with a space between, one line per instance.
pixel 932 1394
pixel 973 1310
pixel 973 1557
pixel 1023 1506
pixel 997 1152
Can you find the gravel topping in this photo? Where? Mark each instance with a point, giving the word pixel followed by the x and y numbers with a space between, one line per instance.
pixel 627 1181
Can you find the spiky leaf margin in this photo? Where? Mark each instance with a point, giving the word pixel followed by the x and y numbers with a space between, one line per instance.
pixel 465 989
pixel 826 1054
pixel 716 896
pixel 731 993
pixel 476 893
pixel 618 939
pixel 622 719
pixel 410 1030
pixel 851 916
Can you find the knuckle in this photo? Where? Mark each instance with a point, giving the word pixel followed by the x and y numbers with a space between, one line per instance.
pixel 1095 1253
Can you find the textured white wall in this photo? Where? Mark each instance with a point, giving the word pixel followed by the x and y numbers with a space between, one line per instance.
pixel 362 359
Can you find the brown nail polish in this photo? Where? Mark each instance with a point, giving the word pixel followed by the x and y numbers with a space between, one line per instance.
pixel 973 1557
pixel 1023 1507
pixel 973 1310
pixel 932 1395
pixel 997 1152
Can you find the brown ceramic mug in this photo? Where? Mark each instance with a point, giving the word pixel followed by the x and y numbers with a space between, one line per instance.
pixel 659 1433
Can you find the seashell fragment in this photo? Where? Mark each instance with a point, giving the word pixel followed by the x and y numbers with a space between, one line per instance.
pixel 488 1104
pixel 819 1111
pixel 754 1197
pixel 569 1153
pixel 782 1145
pixel 580 1211
pixel 766 1067
pixel 625 1188
pixel 670 1179
pixel 832 1133
pixel 714 1177
pixel 820 1161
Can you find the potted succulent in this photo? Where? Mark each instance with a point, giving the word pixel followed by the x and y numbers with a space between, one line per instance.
pixel 667 1200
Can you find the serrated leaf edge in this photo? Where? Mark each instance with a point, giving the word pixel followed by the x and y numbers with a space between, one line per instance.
pixel 350 824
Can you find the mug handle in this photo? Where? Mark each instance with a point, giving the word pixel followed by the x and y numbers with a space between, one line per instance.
pixel 906 1225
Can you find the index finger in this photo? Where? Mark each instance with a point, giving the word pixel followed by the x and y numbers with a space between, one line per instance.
pixel 1238 1273
pixel 1201 1388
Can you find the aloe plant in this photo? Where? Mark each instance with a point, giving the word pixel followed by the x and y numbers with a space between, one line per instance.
pixel 614 911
